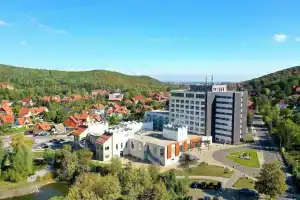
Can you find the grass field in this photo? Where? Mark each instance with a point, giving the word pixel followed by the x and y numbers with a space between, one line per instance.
pixel 253 162
pixel 244 182
pixel 204 169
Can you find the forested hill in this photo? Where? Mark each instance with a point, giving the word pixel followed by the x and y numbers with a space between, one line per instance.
pixel 283 78
pixel 21 78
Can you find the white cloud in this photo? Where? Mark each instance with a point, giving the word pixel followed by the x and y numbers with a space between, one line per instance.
pixel 46 27
pixel 23 42
pixel 3 23
pixel 280 37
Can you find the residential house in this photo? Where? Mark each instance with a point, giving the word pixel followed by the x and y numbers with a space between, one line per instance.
pixel 6 85
pixel 76 120
pixel 56 99
pixel 27 102
pixel 6 119
pixel 41 128
pixel 79 133
pixel 115 97
pixel 24 112
pixel 48 99
pixel 76 97
pixel 59 129
pixel 38 110
pixel 23 121
pixel 99 92
pixel 6 102
pixel 5 109
pixel 138 99
pixel 115 109
pixel 97 109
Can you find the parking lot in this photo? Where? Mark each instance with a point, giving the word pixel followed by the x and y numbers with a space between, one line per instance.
pixel 53 142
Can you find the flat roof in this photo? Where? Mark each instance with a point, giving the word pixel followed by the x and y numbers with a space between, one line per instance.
pixel 156 137
pixel 164 112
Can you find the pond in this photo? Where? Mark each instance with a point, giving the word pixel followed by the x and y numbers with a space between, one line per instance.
pixel 46 192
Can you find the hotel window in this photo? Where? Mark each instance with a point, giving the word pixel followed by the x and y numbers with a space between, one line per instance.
pixel 162 152
pixel 116 146
pixel 187 112
pixel 177 100
pixel 173 100
pixel 190 95
pixel 192 102
pixel 126 145
pixel 192 107
pixel 191 123
pixel 197 102
pixel 197 107
pixel 191 112
pixel 202 108
pixel 186 117
pixel 187 101
pixel 202 103
pixel 197 113
pixel 197 123
pixel 187 107
pixel 122 145
pixel 132 145
pixel 107 148
pixel 182 101
pixel 200 96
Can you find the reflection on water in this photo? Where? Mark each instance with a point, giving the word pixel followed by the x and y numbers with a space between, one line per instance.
pixel 46 192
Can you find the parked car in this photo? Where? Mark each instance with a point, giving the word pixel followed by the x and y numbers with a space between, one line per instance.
pixel 62 140
pixel 248 191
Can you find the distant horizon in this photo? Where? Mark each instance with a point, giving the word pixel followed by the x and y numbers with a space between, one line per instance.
pixel 171 39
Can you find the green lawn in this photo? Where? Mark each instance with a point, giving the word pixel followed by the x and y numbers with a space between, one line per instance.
pixel 204 169
pixel 38 154
pixel 244 182
pixel 249 139
pixel 253 162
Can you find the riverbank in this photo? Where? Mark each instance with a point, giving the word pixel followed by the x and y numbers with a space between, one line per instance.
pixel 20 189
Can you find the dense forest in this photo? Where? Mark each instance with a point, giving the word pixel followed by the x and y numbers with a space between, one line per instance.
pixel 49 82
pixel 283 79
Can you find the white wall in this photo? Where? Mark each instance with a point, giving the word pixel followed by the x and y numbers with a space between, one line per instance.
pixel 96 128
pixel 176 134
pixel 138 150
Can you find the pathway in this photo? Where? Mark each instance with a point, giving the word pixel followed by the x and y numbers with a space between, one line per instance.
pixel 231 181
pixel 37 174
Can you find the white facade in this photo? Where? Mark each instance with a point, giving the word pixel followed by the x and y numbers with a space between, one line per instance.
pixel 97 128
pixel 188 108
pixel 219 88
pixel 175 132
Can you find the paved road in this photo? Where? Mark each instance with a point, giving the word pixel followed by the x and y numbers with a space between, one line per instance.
pixel 265 143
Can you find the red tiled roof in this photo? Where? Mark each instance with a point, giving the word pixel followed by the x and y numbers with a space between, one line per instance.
pixel 22 120
pixel 138 98
pixel 7 119
pixel 23 111
pixel 6 109
pixel 103 138
pixel 43 126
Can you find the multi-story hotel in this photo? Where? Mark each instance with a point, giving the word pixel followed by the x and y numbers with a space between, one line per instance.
pixel 211 110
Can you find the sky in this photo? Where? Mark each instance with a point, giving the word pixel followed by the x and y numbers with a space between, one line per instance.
pixel 179 40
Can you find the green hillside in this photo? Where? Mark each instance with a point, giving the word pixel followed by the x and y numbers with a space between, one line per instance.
pixel 47 82
pixel 283 79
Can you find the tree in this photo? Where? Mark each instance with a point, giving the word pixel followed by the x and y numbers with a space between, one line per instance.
pixel 19 140
pixel 113 120
pixel 84 158
pixel 250 115
pixel 90 186
pixel 68 166
pixel 296 118
pixel 289 133
pixel 50 116
pixel 286 113
pixel 160 192
pixel 271 180
pixel 115 166
pixel 61 115
pixel 154 172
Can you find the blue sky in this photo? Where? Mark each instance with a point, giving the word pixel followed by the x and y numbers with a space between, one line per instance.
pixel 168 39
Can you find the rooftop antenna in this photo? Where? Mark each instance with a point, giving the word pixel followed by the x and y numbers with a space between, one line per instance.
pixel 206 83
pixel 212 79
